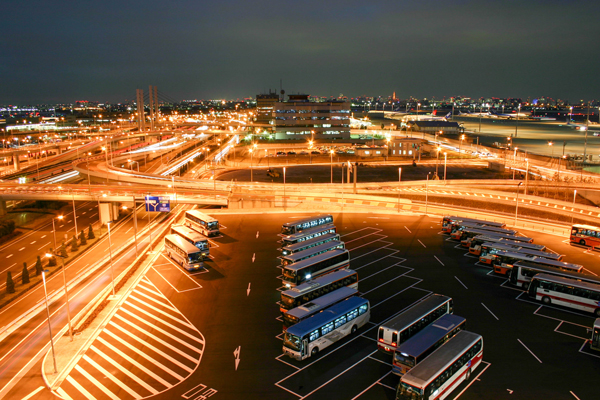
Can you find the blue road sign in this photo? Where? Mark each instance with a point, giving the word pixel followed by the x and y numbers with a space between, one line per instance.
pixel 158 204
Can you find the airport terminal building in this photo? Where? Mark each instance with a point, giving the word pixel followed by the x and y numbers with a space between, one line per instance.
pixel 300 118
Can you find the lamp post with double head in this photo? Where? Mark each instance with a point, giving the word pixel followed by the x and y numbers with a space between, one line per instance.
pixel 517 206
pixel 48 314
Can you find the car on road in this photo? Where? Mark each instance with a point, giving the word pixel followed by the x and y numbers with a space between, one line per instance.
pixel 291 153
pixel 303 152
pixel 281 153
pixel 315 152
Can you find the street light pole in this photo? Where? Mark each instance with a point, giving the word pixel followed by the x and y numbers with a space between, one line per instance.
pixel 399 180
pixel 284 188
pixel 517 207
pixel 426 192
pixel 49 327
pixel 74 214
pixel 517 124
pixel 251 154
pixel 527 176
pixel 445 161
pixel 573 208
pixel 331 153
pixel 112 273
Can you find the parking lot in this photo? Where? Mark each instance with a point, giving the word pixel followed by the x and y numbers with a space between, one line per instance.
pixel 530 350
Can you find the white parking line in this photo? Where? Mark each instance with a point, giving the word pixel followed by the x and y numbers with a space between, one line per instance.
pixel 43 237
pixel 9 256
pixel 490 312
pixel 373 384
pixel 22 248
pixel 439 261
pixel 96 383
pixel 30 395
pixel 111 377
pixel 44 245
pixel 73 382
pixel 530 351
pixel 461 282
pixel 421 243
pixel 33 242
pixel 570 391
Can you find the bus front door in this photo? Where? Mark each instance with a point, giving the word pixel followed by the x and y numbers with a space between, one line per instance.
pixel 304 348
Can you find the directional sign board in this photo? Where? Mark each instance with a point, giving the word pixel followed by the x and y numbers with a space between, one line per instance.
pixel 158 204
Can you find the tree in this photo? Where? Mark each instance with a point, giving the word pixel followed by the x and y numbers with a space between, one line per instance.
pixel 74 245
pixel 63 250
pixel 82 238
pixel 38 266
pixel 51 260
pixel 91 233
pixel 25 274
pixel 10 284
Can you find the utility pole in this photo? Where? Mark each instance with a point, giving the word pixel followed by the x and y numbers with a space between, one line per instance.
pixel 151 104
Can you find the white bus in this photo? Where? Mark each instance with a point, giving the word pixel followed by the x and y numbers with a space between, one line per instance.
pixel 566 292
pixel 502 261
pixel 307 244
pixel 410 322
pixel 477 241
pixel 595 340
pixel 318 332
pixel 184 253
pixel 291 228
pixel 311 308
pixel 205 224
pixel 446 368
pixel 522 271
pixel 310 252
pixel 305 270
pixel 316 288
pixel 492 229
pixel 448 223
pixel 307 235
pixel 193 237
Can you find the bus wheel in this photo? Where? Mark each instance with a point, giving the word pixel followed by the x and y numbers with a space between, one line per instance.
pixel 582 242
pixel 468 374
pixel 314 351
pixel 546 300
pixel 354 328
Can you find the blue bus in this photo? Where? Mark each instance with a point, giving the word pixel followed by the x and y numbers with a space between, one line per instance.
pixel 305 270
pixel 309 309
pixel 307 338
pixel 418 347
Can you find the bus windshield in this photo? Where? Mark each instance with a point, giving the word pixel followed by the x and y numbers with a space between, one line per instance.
pixel 408 392
pixel 194 257
pixel 213 225
pixel 292 341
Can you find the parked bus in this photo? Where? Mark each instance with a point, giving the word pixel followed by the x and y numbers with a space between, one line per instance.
pixel 477 241
pixel 205 224
pixel 442 372
pixel 595 340
pixel 309 309
pixel 291 228
pixel 418 347
pixel 489 249
pixel 185 254
pixel 449 221
pixel 493 229
pixel 311 252
pixel 466 236
pixel 503 261
pixel 566 292
pixel 318 332
pixel 316 288
pixel 585 235
pixel 307 235
pixel 305 270
pixel 193 237
pixel 522 271
pixel 301 246
pixel 413 320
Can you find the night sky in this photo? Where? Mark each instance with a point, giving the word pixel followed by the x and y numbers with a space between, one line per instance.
pixel 63 51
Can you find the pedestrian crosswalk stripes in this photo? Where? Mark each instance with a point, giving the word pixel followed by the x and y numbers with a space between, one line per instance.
pixel 147 347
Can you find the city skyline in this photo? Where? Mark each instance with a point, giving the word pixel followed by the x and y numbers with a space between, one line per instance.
pixel 104 51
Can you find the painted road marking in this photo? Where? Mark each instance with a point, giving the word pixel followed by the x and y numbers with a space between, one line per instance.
pixel 30 395
pixel 570 391
pixel 459 281
pixel 95 382
pixel 407 229
pixel 43 237
pixel 439 261
pixel 530 351
pixel 9 256
pixel 248 290
pixel 253 257
pixel 44 245
pixel 422 243
pixel 77 386
pixel 22 248
pixel 110 376
pixel 490 312
pixel 33 242
pixel 236 353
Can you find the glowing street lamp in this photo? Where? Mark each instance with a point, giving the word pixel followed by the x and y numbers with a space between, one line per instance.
pixel 331 153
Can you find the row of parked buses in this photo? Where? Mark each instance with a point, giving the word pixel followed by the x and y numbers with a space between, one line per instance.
pixel 430 349
pixel 321 304
pixel 187 244
pixel 542 274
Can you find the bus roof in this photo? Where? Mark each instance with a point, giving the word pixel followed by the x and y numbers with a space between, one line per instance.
pixel 515 248
pixel 309 261
pixel 569 281
pixel 555 271
pixel 315 249
pixel 320 281
pixel 498 234
pixel 479 221
pixel 308 325
pixel 321 302
pixel 182 229
pixel 478 225
pixel 307 220
pixel 299 245
pixel 307 232
pixel 590 227
pixel 182 243
pixel 200 215
pixel 416 312
pixel 507 240
pixel 423 340
pixel 545 261
pixel 428 369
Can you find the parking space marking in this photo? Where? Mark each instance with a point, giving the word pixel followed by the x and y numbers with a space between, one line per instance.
pixel 407 229
pixel 585 352
pixel 36 391
pixel 373 384
pixel 589 272
pixel 390 281
pixel 494 315
pixel 536 357
pixel 366 244
pixel 570 391
pixel 285 362
pixel 439 261
pixel 397 293
pixel 386 386
pixel 377 249
pixel 565 333
pixel 379 259
pixel 421 243
pixel 99 385
pixel 377 230
pixel 459 281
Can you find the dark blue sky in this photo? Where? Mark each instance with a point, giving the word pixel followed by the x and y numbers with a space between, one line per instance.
pixel 104 50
